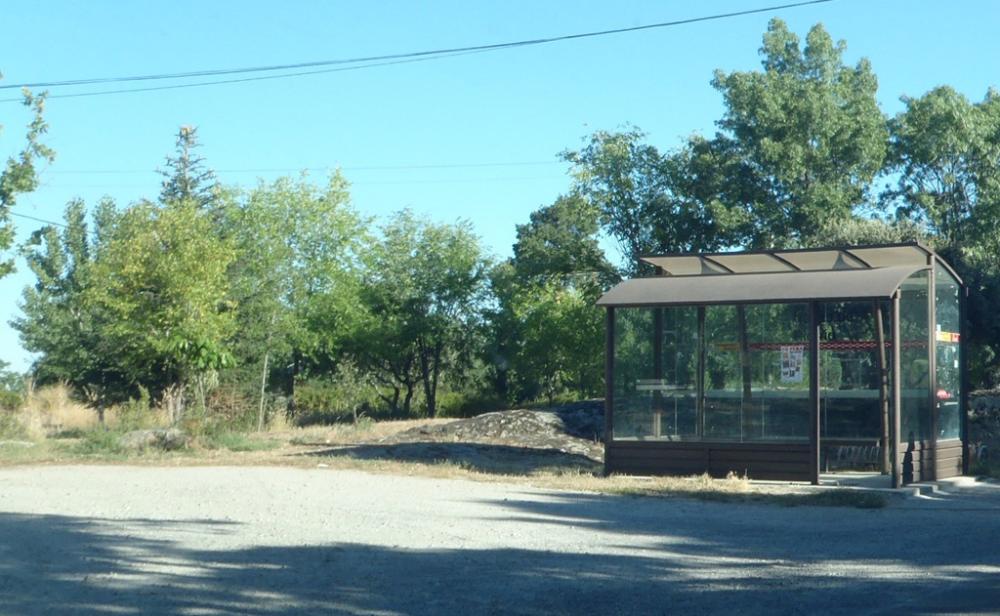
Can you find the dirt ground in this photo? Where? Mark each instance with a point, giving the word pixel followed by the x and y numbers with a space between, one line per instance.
pixel 266 540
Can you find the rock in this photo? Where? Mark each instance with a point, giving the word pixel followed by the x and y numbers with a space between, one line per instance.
pixel 164 439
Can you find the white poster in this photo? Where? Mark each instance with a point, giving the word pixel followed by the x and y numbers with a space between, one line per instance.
pixel 792 358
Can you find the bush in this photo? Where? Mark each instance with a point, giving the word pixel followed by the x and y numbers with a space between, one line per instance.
pixel 348 396
pixel 10 400
pixel 136 414
pixel 231 406
pixel 11 389
pixel 11 427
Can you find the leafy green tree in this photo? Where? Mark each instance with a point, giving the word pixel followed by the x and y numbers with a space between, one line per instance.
pixel 544 329
pixel 636 189
pixel 807 132
pixel 798 145
pixel 18 175
pixel 161 283
pixel 186 177
pixel 863 231
pixel 561 240
pixel 945 158
pixel 945 152
pixel 296 276
pixel 423 288
pixel 66 331
pixel 561 345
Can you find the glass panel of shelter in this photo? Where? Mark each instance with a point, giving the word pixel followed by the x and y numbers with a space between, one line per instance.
pixel 948 393
pixel 756 373
pixel 855 387
pixel 755 377
pixel 914 330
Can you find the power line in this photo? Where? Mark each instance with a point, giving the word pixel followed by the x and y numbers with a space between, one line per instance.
pixel 368 61
pixel 199 84
pixel 36 219
pixel 404 167
pixel 532 178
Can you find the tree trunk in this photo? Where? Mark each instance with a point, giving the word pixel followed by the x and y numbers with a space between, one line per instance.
pixel 263 384
pixel 501 383
pixel 408 399
pixel 425 375
pixel 430 361
pixel 296 367
pixel 396 393
pixel 200 384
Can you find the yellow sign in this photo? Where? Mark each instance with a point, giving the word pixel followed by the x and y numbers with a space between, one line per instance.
pixel 947 336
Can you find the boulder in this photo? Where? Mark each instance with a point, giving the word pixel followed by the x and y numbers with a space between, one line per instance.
pixel 164 439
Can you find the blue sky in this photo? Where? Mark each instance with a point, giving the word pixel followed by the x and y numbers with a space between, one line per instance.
pixel 518 107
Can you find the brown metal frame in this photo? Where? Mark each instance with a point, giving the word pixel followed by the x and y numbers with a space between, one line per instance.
pixel 928 459
pixel 963 398
pixel 700 396
pixel 609 376
pixel 814 399
pixel 897 394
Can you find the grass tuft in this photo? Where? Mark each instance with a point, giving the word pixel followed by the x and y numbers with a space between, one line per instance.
pixel 98 442
pixel 236 441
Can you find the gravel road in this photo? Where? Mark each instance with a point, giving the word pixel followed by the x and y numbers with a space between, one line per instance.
pixel 138 540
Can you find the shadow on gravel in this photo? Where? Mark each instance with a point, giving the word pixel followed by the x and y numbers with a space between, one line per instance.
pixel 68 565
pixel 480 457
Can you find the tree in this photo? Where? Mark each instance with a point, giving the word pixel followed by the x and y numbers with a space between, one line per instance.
pixel 560 240
pixel 946 154
pixel 798 145
pixel 807 132
pixel 945 157
pixel 562 339
pixel 11 388
pixel 186 177
pixel 635 188
pixel 544 327
pixel 296 276
pixel 66 331
pixel 863 231
pixel 19 176
pixel 423 287
pixel 161 283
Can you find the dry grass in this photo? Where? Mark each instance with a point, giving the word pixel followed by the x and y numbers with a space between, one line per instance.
pixel 51 410
pixel 365 431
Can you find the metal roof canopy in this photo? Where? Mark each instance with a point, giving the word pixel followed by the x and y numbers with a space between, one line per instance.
pixel 840 273
pixel 771 287
pixel 794 260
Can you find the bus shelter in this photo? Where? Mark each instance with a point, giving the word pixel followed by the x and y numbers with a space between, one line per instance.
pixel 780 364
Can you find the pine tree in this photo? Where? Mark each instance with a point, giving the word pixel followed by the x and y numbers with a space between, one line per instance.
pixel 187 178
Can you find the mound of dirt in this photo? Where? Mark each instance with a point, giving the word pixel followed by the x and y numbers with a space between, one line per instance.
pixel 572 429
